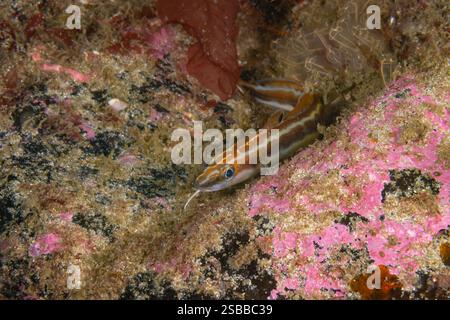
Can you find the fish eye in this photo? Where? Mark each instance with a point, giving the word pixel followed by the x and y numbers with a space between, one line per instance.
pixel 229 173
pixel 280 117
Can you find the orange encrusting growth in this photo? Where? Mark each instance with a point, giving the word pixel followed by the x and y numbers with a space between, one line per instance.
pixel 445 253
pixel 390 286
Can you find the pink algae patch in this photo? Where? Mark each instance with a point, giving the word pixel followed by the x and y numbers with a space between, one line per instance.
pixel 363 172
pixel 45 244
pixel 66 216
pixel 283 242
pixel 127 159
pixel 87 128
pixel 173 264
pixel 397 244
pixel 154 115
pixel 260 201
pixel 162 41
pixel 76 75
pixel 317 279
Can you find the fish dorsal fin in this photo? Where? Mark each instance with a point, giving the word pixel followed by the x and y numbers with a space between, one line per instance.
pixel 303 104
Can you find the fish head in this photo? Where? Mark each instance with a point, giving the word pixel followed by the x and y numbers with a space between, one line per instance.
pixel 222 176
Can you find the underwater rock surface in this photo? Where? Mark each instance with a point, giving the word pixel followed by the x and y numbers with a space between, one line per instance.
pixel 91 203
pixel 378 194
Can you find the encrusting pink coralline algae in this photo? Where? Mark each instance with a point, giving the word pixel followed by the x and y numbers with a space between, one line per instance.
pixel 45 244
pixel 332 204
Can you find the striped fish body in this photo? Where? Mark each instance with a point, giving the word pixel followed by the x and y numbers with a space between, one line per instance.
pixel 276 93
pixel 297 130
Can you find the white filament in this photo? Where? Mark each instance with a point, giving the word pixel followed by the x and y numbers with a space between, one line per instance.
pixel 190 198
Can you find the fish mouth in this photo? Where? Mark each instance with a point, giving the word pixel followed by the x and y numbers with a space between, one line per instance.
pixel 197 186
pixel 207 189
pixel 203 188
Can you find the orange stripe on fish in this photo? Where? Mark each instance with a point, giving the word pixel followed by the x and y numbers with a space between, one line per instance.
pixel 279 93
